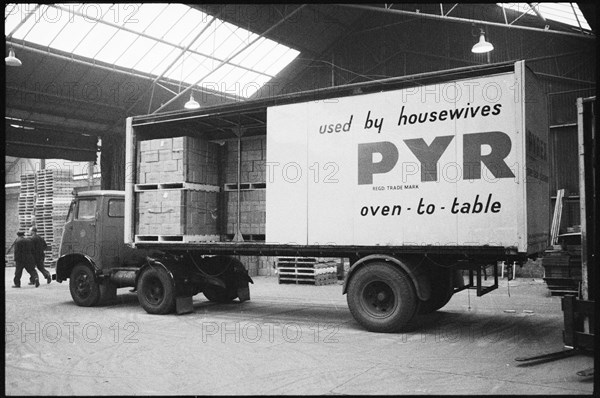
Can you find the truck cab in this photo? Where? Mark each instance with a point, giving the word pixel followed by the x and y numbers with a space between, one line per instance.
pixel 96 261
pixel 93 233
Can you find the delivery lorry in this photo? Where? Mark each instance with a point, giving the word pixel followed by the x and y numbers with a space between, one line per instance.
pixel 422 182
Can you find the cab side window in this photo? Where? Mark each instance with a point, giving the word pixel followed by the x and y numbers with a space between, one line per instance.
pixel 86 209
pixel 116 208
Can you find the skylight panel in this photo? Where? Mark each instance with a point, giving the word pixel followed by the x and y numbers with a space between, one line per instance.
pixel 139 50
pixel 190 25
pixel 282 62
pixel 14 13
pixel 140 16
pixel 168 18
pixel 559 12
pixel 95 40
pixel 43 34
pixel 150 37
pixel 116 46
pixel 27 25
pixel 74 31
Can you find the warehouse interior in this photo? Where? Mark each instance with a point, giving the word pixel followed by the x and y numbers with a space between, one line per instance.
pixel 82 69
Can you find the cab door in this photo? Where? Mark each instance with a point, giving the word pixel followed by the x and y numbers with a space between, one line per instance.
pixel 84 229
pixel 112 232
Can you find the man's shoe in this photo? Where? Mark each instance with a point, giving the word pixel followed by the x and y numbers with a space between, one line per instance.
pixel 49 278
pixel 31 283
pixel 16 286
pixel 37 283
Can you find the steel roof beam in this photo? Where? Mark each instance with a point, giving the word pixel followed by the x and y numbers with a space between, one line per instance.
pixel 465 20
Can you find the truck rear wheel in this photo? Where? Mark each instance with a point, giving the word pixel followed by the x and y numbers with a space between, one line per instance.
pixel 83 286
pixel 381 297
pixel 155 291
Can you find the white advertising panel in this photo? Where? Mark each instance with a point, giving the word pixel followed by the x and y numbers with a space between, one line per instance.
pixel 429 165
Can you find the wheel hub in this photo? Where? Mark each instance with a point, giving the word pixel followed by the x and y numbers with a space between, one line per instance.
pixel 379 298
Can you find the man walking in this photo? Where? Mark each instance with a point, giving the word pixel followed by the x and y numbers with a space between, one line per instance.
pixel 39 246
pixel 24 260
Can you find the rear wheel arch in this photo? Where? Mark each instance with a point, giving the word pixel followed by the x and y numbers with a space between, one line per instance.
pixel 411 266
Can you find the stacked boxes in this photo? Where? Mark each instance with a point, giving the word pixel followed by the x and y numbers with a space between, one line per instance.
pixel 177 188
pixel 176 212
pixel 179 159
pixel 259 265
pixel 252 212
pixel 253 164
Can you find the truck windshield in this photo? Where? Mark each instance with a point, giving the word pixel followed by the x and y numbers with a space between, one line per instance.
pixel 86 209
pixel 71 211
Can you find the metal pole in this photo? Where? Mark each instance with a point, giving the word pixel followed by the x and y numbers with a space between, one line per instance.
pixel 90 174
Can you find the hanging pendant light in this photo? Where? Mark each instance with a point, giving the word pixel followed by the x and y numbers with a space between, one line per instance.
pixel 11 60
pixel 192 104
pixel 482 46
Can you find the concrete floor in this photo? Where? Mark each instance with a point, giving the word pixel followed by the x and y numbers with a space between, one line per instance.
pixel 289 339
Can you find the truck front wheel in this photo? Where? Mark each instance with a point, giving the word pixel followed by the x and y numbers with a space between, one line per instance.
pixel 84 288
pixel 381 297
pixel 155 291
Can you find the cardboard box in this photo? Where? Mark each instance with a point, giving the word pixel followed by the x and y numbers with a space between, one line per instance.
pixel 176 212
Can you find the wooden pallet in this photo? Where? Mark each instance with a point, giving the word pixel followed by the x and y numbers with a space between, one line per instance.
pixel 176 185
pixel 317 280
pixel 176 238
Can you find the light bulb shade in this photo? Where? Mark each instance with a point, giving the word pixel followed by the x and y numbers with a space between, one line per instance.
pixel 11 60
pixel 482 46
pixel 191 104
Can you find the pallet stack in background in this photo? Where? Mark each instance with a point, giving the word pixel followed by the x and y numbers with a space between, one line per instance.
pixel 308 270
pixel 44 200
pixel 259 265
pixel 26 206
pixel 27 202
pixel 177 190
pixel 54 192
pixel 252 188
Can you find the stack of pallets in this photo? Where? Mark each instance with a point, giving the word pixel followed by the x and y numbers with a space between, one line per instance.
pixel 308 270
pixel 26 202
pixel 25 210
pixel 53 196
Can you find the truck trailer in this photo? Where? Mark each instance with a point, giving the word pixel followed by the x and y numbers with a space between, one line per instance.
pixel 423 182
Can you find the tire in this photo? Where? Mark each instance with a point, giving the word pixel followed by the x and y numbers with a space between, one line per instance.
pixel 381 297
pixel 218 294
pixel 155 291
pixel 442 290
pixel 85 291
